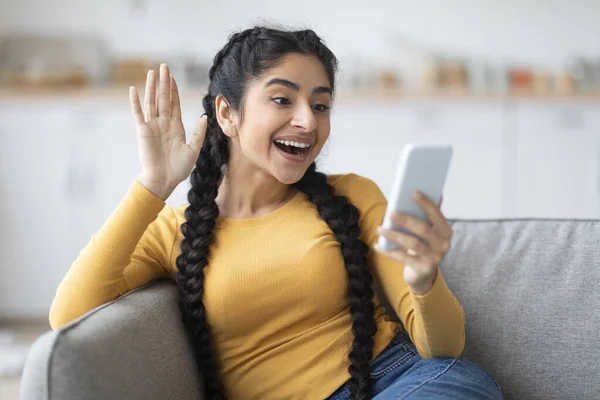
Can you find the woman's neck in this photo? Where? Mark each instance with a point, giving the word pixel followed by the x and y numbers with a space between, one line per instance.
pixel 251 193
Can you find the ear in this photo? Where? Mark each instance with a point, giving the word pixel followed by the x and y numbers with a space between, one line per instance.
pixel 225 116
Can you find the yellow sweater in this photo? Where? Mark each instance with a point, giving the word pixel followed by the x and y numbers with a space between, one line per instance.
pixel 275 290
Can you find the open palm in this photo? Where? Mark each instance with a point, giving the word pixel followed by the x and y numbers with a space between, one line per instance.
pixel 166 159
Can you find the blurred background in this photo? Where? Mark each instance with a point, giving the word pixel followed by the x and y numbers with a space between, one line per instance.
pixel 514 85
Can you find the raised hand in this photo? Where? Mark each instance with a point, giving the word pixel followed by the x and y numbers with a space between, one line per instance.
pixel 166 159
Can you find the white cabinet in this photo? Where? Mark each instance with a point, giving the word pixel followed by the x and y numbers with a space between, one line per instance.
pixel 475 183
pixel 64 167
pixel 558 155
pixel 369 142
pixel 33 215
pixel 103 160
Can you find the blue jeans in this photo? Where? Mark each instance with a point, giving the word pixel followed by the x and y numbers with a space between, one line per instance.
pixel 399 372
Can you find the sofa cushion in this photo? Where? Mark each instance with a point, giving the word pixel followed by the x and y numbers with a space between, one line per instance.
pixel 132 348
pixel 531 294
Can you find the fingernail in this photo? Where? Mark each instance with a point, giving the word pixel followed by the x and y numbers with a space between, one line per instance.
pixel 416 195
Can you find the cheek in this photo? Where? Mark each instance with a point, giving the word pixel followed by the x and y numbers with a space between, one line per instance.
pixel 256 138
pixel 264 120
pixel 323 131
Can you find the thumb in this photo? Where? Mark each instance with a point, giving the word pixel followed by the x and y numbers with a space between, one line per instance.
pixel 198 136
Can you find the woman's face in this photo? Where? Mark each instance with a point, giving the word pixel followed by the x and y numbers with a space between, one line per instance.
pixel 285 120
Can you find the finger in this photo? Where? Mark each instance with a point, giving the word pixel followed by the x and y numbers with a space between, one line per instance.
pixel 409 257
pixel 441 201
pixel 402 256
pixel 150 96
pixel 416 226
pixel 164 91
pixel 405 257
pixel 425 233
pixel 407 242
pixel 175 102
pixel 199 135
pixel 136 108
pixel 435 214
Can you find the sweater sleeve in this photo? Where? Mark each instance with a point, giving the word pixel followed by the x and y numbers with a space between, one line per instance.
pixel 434 320
pixel 132 248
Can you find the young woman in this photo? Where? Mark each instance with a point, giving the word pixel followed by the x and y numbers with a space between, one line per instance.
pixel 275 261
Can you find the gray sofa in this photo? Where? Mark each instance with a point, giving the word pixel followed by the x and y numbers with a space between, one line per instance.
pixel 530 289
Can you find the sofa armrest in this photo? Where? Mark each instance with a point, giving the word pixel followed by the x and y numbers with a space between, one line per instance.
pixel 134 347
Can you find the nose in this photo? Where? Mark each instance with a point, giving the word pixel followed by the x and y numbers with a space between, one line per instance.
pixel 304 118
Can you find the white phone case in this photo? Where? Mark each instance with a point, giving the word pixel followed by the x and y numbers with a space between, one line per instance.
pixel 422 167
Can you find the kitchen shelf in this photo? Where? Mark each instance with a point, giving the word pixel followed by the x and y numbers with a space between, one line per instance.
pixel 120 93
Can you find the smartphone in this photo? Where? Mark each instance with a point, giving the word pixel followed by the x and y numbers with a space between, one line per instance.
pixel 422 167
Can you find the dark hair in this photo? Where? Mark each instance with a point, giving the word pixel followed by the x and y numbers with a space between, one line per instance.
pixel 244 58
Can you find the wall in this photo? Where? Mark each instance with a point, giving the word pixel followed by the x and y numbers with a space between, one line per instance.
pixel 539 32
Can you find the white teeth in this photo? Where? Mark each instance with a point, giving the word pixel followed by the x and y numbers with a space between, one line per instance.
pixel 295 144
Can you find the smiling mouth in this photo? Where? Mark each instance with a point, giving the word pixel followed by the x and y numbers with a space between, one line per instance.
pixel 294 148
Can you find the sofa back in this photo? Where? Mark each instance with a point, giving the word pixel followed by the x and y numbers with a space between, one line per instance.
pixel 531 294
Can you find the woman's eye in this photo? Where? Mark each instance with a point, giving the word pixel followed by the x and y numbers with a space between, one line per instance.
pixel 281 100
pixel 321 107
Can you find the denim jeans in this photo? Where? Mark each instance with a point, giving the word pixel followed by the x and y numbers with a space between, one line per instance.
pixel 399 372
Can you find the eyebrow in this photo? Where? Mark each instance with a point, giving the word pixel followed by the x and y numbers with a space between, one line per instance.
pixel 295 87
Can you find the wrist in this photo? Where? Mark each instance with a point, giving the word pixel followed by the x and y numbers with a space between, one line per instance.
pixel 424 285
pixel 160 189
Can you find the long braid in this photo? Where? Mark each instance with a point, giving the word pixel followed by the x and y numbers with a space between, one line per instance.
pixel 342 218
pixel 201 215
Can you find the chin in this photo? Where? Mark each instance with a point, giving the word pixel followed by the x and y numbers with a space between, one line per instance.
pixel 290 177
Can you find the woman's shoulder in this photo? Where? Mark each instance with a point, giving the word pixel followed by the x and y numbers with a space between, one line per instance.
pixel 352 184
pixel 179 213
pixel 360 190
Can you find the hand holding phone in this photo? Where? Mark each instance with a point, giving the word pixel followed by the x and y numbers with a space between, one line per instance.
pixel 414 231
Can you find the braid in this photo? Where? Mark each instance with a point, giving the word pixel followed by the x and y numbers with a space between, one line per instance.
pixel 342 218
pixel 197 231
pixel 201 215
pixel 236 38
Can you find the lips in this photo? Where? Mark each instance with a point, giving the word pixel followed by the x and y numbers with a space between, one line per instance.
pixel 291 152
pixel 294 148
